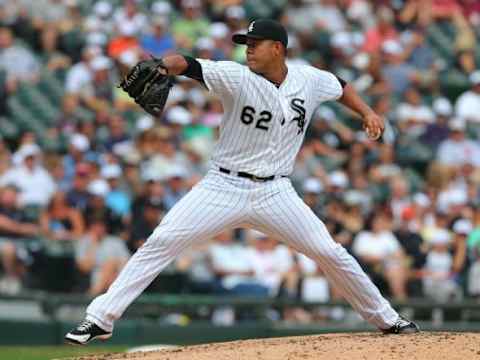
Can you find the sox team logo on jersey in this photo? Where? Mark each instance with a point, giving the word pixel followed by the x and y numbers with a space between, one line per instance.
pixel 250 27
pixel 297 106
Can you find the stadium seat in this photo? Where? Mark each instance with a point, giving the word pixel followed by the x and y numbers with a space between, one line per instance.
pixel 8 129
pixel 34 99
pixel 51 87
pixel 441 41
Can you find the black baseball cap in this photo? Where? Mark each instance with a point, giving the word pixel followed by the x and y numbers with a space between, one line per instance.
pixel 264 29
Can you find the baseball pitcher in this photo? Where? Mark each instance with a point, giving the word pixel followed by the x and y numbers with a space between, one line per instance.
pixel 267 108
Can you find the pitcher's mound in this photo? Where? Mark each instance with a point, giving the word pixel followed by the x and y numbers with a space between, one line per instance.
pixel 370 346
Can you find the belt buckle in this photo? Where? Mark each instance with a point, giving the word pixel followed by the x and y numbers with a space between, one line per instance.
pixel 257 179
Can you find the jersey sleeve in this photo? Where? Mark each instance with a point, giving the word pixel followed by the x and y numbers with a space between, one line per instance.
pixel 326 85
pixel 221 77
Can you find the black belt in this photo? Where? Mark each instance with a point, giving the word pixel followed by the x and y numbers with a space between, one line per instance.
pixel 247 175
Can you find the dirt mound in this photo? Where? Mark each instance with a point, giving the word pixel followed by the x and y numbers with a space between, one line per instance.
pixel 371 346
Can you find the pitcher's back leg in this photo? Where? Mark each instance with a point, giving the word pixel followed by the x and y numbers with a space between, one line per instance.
pixel 287 217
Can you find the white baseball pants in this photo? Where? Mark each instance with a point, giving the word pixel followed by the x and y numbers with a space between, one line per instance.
pixel 221 202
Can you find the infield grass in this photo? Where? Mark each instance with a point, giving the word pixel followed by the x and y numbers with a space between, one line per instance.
pixel 53 352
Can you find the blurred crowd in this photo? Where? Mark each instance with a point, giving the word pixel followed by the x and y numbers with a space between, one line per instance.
pixel 82 187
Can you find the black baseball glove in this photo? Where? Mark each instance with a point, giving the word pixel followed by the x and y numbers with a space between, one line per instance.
pixel 149 85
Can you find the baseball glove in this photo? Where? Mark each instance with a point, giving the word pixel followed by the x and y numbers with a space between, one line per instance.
pixel 148 85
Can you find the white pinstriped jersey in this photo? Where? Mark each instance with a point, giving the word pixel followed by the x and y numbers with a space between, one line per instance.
pixel 263 126
pixel 261 133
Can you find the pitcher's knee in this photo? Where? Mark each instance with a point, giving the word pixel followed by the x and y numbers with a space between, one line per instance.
pixel 331 254
pixel 161 238
pixel 170 240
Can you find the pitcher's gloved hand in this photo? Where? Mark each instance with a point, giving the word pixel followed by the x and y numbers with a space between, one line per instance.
pixel 149 84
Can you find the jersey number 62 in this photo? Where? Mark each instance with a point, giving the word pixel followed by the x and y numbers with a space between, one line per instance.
pixel 248 117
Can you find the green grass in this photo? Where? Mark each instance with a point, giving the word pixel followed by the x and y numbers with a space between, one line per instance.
pixel 52 352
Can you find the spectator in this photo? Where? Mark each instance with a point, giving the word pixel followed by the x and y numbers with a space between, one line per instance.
pixel 153 191
pixel 415 12
pixel 438 131
pixel 116 199
pixel 5 157
pixel 96 207
pixel 77 153
pixel 13 228
pixel 467 106
pixel 473 249
pixel 457 150
pixel 125 41
pixel 164 156
pixel 205 48
pixel 100 20
pixel 461 230
pixel 100 255
pixel 235 17
pixel 400 195
pixel 161 8
pixel 437 279
pixel 271 261
pixel 79 76
pixel 191 25
pixel 130 16
pixel 98 92
pixel 54 165
pixel 304 282
pixel 68 118
pixel 144 224
pixel 60 221
pixel 384 30
pixel 385 168
pixel 380 252
pixel 78 195
pixel 118 138
pixel 175 187
pixel 304 16
pixel 233 266
pixel 413 116
pixel 413 247
pixel 46 12
pixel 418 52
pixel 471 11
pixel 326 137
pixel 311 190
pixel 314 286
pixel 159 42
pixel 389 50
pixel 219 33
pixel 195 263
pixel 399 75
pixel 29 176
pixel 50 55
pixel 18 62
pixel 444 9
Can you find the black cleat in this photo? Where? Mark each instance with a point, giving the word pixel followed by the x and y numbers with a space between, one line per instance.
pixel 402 326
pixel 85 332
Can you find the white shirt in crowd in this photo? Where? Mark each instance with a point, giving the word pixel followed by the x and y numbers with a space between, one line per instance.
pixel 459 152
pixel 315 287
pixel 468 106
pixel 420 113
pixel 232 258
pixel 36 187
pixel 78 78
pixel 383 244
pixel 270 266
pixel 438 262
